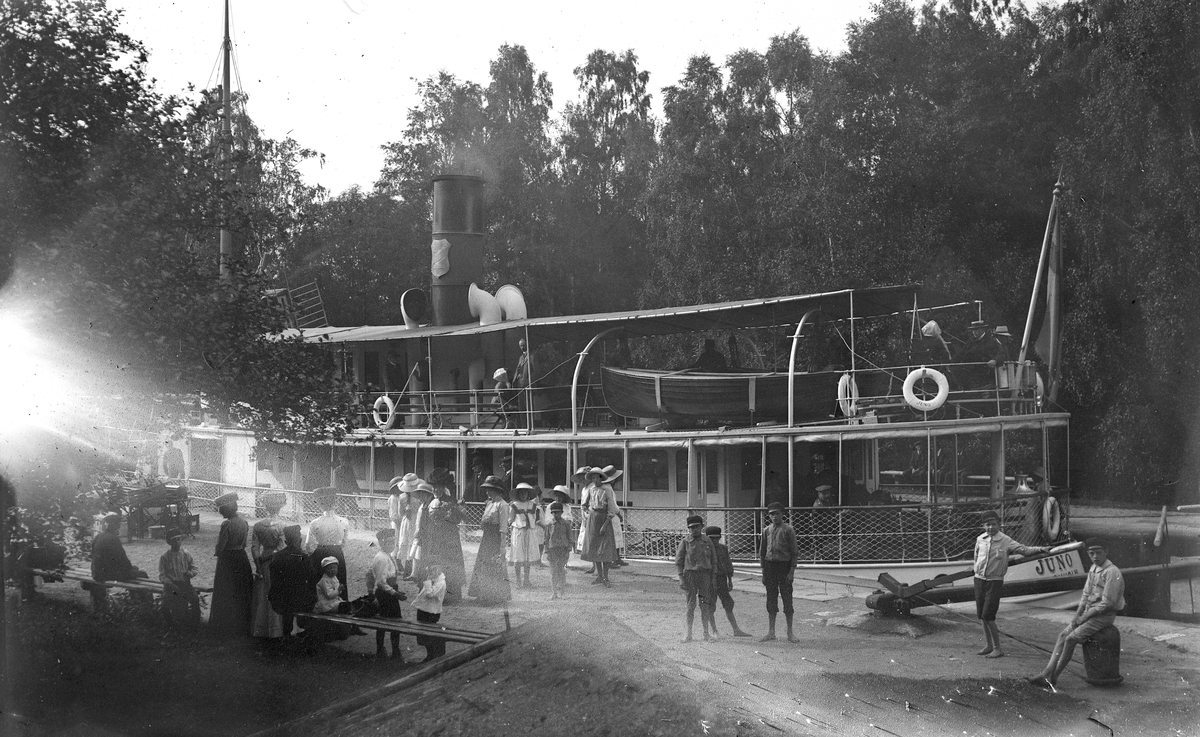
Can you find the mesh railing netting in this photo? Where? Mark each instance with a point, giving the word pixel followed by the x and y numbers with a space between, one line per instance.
pixel 908 533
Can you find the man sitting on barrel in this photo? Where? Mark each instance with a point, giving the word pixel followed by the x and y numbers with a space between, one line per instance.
pixel 1103 598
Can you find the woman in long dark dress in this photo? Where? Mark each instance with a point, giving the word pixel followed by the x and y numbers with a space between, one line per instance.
pixel 233 580
pixel 445 538
pixel 489 579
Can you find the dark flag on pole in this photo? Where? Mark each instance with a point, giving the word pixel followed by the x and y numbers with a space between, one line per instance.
pixel 1049 340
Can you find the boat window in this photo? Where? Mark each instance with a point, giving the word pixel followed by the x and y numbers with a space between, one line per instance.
pixel 712 470
pixel 371 374
pixel 648 470
pixel 555 468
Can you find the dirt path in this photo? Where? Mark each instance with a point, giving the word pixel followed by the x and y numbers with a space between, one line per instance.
pixel 610 661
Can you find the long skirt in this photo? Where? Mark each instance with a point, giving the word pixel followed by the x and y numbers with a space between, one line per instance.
pixel 232 581
pixel 489 580
pixel 581 542
pixel 265 621
pixel 404 539
pixel 324 551
pixel 601 545
pixel 525 541
pixel 443 546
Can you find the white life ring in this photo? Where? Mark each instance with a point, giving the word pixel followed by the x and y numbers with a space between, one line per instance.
pixel 380 422
pixel 848 395
pixel 926 405
pixel 1051 518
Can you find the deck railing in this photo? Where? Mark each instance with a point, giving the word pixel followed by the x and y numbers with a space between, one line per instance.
pixel 898 533
pixel 976 390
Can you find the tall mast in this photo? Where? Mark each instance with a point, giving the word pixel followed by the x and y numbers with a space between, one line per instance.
pixel 226 149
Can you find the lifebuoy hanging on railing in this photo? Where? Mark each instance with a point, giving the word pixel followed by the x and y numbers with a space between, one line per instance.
pixel 1051 518
pixel 377 415
pixel 926 405
pixel 848 395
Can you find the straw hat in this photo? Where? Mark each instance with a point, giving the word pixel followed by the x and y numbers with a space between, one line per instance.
pixel 406 483
pixel 522 492
pixel 493 483
pixel 440 476
pixel 608 474
pixel 500 375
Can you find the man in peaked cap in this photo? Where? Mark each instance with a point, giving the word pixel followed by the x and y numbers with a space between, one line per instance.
pixel 695 560
pixel 984 347
pixel 777 554
pixel 1103 598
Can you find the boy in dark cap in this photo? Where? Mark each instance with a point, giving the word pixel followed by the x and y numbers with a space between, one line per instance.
pixel 991 563
pixel 722 580
pixel 777 554
pixel 558 548
pixel 695 561
pixel 176 569
pixel 1103 598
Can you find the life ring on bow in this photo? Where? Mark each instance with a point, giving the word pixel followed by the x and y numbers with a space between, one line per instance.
pixel 377 412
pixel 1051 518
pixel 848 395
pixel 926 405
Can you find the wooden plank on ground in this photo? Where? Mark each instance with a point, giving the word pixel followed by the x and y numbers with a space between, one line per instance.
pixel 401 626
pixel 311 723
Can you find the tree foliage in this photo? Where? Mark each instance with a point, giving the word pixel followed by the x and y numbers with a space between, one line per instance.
pixel 925 152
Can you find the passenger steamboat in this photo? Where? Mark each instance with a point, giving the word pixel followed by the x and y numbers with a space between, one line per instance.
pixel 912 450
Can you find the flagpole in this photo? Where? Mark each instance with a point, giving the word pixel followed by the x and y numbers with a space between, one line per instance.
pixel 226 152
pixel 1037 283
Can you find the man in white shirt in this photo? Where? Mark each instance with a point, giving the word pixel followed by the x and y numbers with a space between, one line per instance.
pixel 1103 598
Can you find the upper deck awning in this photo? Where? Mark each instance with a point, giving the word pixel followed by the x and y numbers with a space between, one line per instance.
pixel 750 313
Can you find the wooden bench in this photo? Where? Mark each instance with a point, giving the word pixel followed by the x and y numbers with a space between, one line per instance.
pixel 404 627
pixel 84 575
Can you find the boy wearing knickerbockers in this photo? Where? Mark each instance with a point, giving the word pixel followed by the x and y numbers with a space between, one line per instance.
pixel 695 560
pixel 723 580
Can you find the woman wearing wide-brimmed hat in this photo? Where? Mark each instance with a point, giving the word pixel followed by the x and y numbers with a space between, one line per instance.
pixel 602 512
pixel 266 540
pixel 526 532
pixel 438 539
pixel 489 579
pixel 402 510
pixel 232 581
pixel 579 478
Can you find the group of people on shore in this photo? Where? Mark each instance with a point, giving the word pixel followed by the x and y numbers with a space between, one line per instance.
pixel 295 574
pixel 706 576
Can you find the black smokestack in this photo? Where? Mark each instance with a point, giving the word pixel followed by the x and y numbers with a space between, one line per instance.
pixel 457 247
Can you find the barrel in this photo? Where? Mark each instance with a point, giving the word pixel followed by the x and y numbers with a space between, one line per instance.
pixel 1102 658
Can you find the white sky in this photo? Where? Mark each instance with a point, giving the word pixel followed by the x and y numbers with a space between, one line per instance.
pixel 340 75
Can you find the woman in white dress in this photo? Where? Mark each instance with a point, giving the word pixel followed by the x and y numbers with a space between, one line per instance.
pixel 402 510
pixel 526 532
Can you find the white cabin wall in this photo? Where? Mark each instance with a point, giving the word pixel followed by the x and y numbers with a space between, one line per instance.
pixel 239 467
